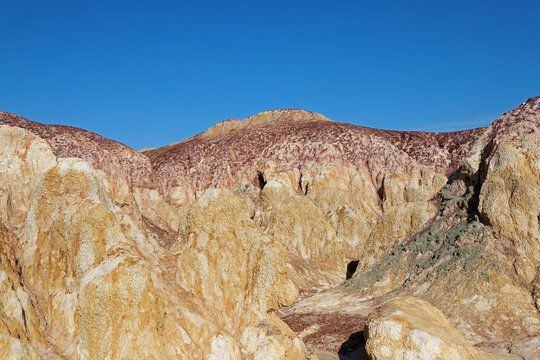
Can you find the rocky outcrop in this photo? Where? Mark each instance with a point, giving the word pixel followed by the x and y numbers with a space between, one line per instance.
pixel 273 143
pixel 510 195
pixel 25 158
pixel 397 223
pixel 510 200
pixel 314 252
pixel 235 270
pixel 85 273
pixel 195 249
pixel 347 200
pixel 409 328
pixel 120 166
pixel 455 262
pixel 350 173
pixel 473 260
pixel 84 278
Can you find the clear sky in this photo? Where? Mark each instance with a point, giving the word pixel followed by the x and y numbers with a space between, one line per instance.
pixel 148 73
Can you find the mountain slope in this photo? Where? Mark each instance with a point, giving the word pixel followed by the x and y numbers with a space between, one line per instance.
pixel 197 249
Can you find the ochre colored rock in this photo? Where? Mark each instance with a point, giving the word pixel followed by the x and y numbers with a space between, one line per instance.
pixel 237 271
pixel 19 322
pixel 24 158
pixel 186 251
pixel 396 224
pixel 349 201
pixel 119 166
pixel 13 348
pixel 458 264
pixel 85 274
pixel 410 328
pixel 158 216
pixel 218 254
pixel 277 188
pixel 417 184
pixel 510 199
pixel 313 250
pixel 460 267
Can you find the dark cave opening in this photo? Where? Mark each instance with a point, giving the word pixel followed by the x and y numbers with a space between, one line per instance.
pixel 351 268
pixel 259 181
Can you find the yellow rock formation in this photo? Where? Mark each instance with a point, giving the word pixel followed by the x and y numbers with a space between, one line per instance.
pixel 510 199
pixel 396 224
pixel 409 328
pixel 193 251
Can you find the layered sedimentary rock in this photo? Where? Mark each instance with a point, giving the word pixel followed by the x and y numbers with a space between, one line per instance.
pixel 120 166
pixel 282 140
pixel 352 173
pixel 195 250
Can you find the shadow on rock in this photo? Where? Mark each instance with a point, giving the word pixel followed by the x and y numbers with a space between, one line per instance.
pixel 354 348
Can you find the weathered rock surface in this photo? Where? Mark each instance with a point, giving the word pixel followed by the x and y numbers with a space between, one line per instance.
pixel 281 140
pixel 84 278
pixel 85 274
pixel 352 174
pixel 120 166
pixel 409 328
pixel 397 223
pixel 25 158
pixel 315 253
pixel 510 199
pixel 347 200
pixel 458 264
pixel 237 271
pixel 467 269
pixel 186 251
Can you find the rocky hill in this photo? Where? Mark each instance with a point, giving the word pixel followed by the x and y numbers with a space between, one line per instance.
pixel 281 236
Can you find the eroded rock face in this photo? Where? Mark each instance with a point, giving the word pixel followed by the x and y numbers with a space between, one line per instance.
pixel 24 159
pixel 314 252
pixel 84 279
pixel 238 272
pixel 219 234
pixel 187 251
pixel 352 174
pixel 510 194
pixel 455 262
pixel 86 276
pixel 464 269
pixel 397 223
pixel 13 348
pixel 510 199
pixel 348 200
pixel 273 142
pixel 410 328
pixel 119 166
pixel 19 322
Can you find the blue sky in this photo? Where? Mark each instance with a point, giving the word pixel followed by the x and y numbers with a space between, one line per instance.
pixel 148 73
